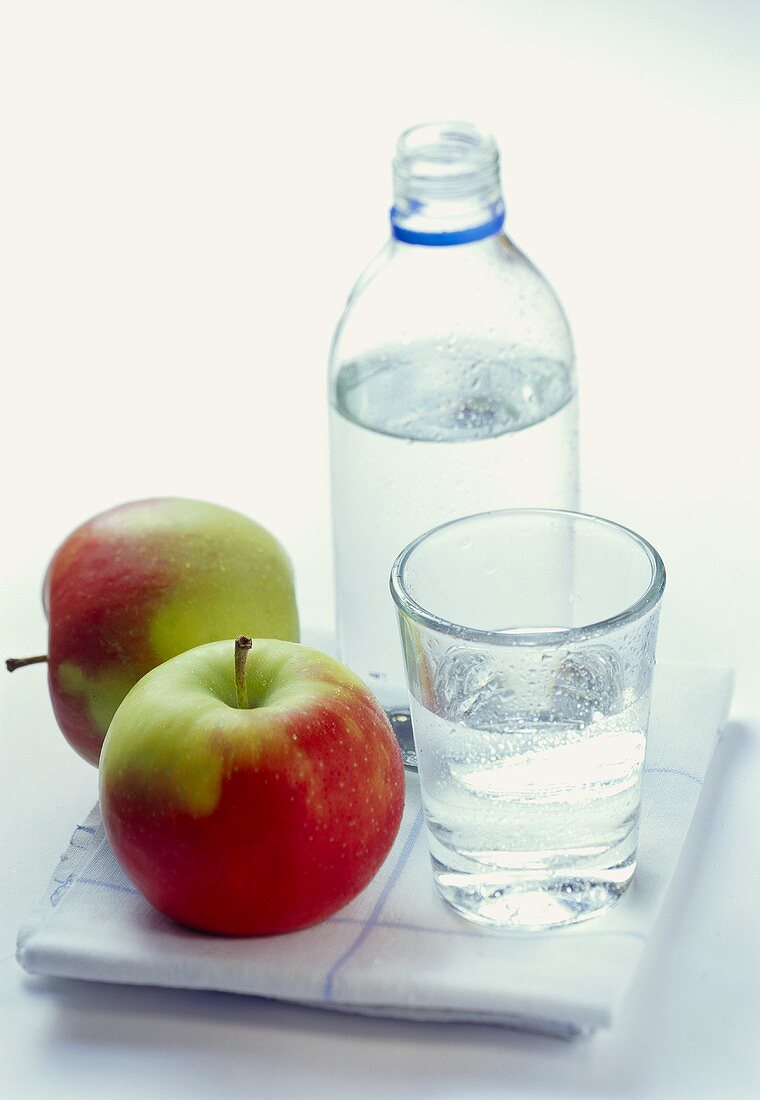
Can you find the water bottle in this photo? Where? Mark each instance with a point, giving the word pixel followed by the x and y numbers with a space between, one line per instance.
pixel 452 385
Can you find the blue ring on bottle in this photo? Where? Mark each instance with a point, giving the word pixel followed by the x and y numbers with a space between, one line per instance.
pixel 444 238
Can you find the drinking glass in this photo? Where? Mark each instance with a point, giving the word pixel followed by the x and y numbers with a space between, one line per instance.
pixel 529 643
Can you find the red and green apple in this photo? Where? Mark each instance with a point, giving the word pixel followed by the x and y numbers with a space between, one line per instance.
pixel 138 584
pixel 250 798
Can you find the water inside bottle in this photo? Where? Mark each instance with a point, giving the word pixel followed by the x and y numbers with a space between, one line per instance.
pixel 422 434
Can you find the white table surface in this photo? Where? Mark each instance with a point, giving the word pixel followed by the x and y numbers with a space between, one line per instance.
pixel 192 189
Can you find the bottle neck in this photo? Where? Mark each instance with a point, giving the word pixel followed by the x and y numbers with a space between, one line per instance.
pixel 446 186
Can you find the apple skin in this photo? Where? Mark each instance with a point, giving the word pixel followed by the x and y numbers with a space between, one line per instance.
pixel 143 582
pixel 256 821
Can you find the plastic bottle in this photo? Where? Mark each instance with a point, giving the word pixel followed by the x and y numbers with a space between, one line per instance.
pixel 452 385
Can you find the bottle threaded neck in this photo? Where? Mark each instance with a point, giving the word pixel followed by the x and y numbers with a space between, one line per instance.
pixel 445 182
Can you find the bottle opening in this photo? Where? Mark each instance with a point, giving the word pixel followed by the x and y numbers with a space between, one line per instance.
pixel 452 158
pixel 446 183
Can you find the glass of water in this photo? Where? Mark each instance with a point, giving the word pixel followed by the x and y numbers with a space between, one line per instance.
pixel 529 643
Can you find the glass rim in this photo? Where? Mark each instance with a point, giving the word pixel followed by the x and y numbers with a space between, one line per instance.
pixel 538 636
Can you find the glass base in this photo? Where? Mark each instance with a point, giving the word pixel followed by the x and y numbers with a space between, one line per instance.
pixel 401 720
pixel 516 902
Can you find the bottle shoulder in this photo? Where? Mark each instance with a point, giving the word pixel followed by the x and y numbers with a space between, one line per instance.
pixel 487 289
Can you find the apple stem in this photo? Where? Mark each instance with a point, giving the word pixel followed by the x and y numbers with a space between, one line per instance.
pixel 242 645
pixel 20 662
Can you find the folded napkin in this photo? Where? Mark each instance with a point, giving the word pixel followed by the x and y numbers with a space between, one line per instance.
pixel 398 949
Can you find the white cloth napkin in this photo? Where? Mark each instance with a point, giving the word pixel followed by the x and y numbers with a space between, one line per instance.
pixel 398 949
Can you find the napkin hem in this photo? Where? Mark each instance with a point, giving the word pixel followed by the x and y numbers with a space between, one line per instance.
pixel 37 964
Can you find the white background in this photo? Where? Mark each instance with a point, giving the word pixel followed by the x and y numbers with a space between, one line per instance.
pixel 188 191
